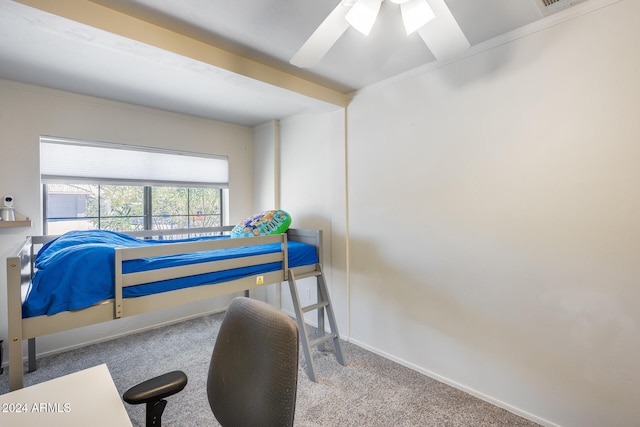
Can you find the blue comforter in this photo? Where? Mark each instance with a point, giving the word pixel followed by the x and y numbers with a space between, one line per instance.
pixel 76 270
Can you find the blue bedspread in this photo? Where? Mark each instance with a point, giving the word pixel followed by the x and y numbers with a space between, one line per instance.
pixel 76 270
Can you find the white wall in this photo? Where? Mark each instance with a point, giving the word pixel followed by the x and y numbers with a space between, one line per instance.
pixel 266 157
pixel 300 167
pixel 494 221
pixel 26 112
pixel 266 188
pixel 313 191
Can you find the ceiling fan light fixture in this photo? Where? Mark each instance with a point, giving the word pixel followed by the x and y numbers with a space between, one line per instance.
pixel 415 14
pixel 363 15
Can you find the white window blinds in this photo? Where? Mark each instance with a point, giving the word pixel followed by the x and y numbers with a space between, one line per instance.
pixel 68 161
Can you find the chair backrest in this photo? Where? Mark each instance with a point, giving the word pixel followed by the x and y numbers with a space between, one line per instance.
pixel 253 375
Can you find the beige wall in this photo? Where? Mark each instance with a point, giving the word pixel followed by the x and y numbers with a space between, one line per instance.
pixel 300 167
pixel 313 189
pixel 494 211
pixel 266 188
pixel 26 112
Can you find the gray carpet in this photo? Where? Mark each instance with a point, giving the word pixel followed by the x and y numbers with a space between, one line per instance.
pixel 370 391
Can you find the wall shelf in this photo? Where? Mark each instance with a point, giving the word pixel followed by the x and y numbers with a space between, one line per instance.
pixel 19 223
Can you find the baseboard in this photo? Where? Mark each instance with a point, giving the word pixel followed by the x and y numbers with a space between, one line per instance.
pixel 447 381
pixel 461 387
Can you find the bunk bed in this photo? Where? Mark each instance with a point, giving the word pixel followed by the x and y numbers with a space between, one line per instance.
pixel 139 284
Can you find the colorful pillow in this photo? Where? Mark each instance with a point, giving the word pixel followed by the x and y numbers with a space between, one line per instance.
pixel 263 224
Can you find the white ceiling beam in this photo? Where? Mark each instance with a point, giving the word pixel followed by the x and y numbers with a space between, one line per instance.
pixel 98 16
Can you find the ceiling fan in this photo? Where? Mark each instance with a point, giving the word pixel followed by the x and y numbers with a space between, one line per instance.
pixel 432 20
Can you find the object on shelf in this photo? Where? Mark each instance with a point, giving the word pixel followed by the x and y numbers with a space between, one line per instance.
pixel 9 217
pixel 7 213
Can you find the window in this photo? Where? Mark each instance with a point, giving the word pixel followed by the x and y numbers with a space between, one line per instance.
pixel 103 186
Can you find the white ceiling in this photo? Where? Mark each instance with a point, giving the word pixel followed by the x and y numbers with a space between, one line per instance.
pixel 44 49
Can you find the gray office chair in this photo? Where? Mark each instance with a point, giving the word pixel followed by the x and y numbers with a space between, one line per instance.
pixel 253 374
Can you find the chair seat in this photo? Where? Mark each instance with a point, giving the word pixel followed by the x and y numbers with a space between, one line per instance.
pixel 156 388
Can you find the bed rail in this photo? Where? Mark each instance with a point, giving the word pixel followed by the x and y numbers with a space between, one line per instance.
pixel 171 232
pixel 123 280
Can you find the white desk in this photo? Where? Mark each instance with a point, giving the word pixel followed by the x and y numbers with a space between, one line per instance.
pixel 85 398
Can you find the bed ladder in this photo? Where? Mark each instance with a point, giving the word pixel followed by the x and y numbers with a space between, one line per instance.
pixel 323 303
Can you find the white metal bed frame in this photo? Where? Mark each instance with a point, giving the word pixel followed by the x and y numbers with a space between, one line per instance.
pixel 20 270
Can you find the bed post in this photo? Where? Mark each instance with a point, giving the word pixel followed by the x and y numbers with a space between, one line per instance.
pixel 14 318
pixel 18 272
pixel 31 355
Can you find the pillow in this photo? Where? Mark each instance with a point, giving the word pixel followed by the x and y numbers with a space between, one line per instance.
pixel 263 224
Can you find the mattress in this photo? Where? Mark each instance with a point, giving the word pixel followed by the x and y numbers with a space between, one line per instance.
pixel 76 270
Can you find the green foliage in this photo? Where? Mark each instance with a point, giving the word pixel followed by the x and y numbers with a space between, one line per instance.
pixel 122 207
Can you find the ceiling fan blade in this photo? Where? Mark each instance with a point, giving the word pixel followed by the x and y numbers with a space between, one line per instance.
pixel 443 35
pixel 415 13
pixel 363 15
pixel 325 36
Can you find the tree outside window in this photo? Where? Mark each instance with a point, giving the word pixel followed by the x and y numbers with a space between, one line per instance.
pixel 129 208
